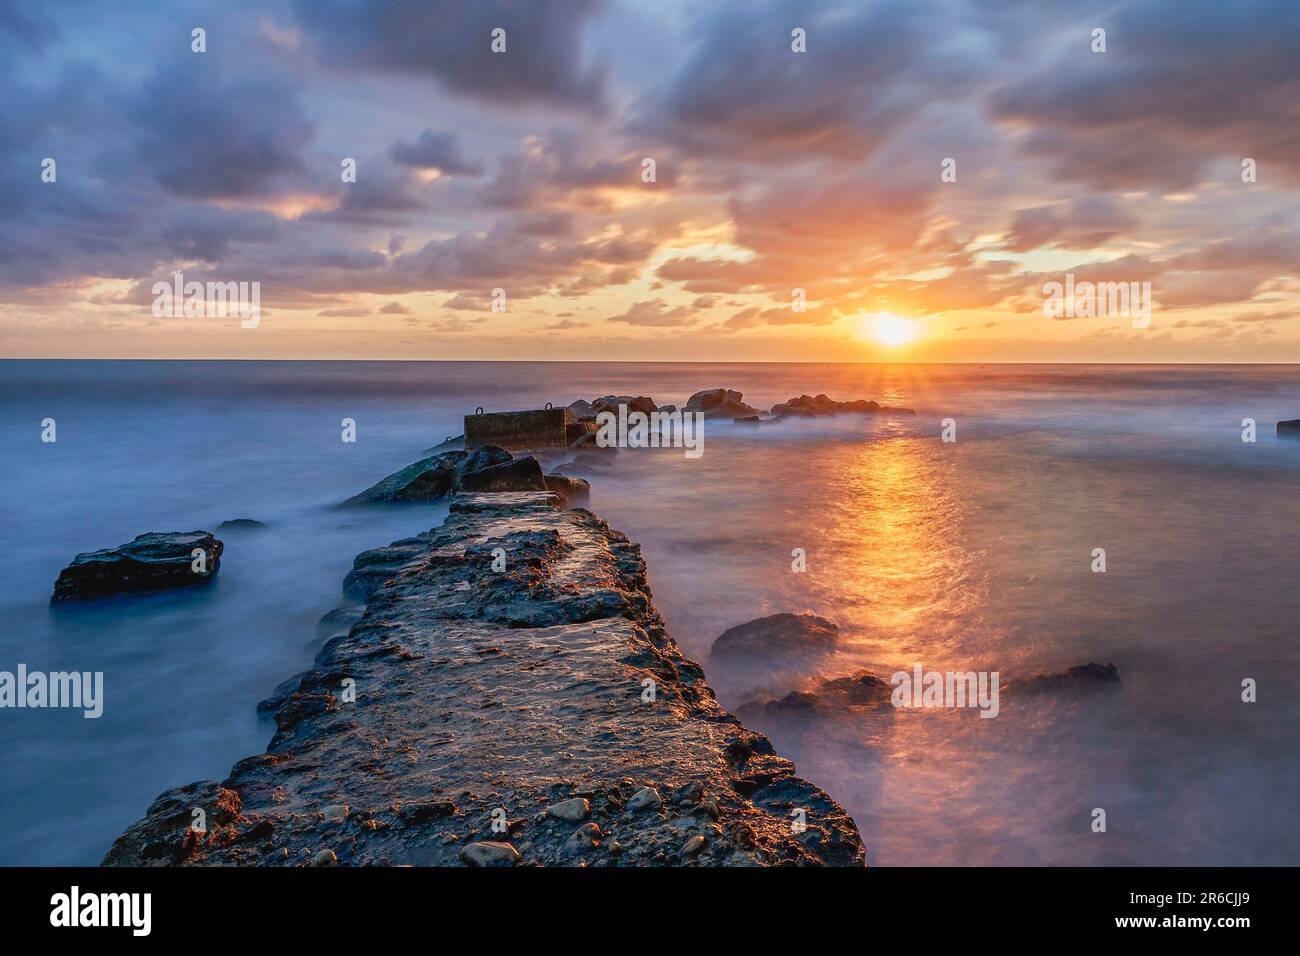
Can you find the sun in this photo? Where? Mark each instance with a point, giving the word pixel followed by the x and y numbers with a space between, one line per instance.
pixel 890 330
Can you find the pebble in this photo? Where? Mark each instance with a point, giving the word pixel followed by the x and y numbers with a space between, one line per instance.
pixel 585 838
pixel 647 798
pixel 325 858
pixel 693 846
pixel 489 853
pixel 689 794
pixel 709 807
pixel 336 812
pixel 571 810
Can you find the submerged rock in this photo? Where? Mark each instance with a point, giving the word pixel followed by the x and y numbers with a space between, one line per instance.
pixel 813 406
pixel 155 561
pixel 720 403
pixel 1090 676
pixel 241 524
pixel 1289 429
pixel 516 688
pixel 778 635
pixel 862 689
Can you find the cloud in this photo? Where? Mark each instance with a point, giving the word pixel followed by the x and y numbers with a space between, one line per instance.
pixel 564 167
pixel 1080 224
pixel 450 41
pixel 211 235
pixel 436 151
pixel 1182 81
pixel 744 92
pixel 775 170
pixel 656 314
pixel 207 136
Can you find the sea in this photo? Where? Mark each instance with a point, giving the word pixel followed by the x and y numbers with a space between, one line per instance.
pixel 976 553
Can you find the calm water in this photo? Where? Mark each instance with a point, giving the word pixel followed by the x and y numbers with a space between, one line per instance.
pixel 971 555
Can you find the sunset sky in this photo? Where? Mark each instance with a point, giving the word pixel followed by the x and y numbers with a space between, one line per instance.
pixel 775 170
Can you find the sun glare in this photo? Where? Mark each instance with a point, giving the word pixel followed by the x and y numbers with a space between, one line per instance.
pixel 890 330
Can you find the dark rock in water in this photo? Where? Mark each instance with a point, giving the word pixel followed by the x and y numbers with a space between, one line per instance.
pixel 154 561
pixel 815 406
pixel 752 420
pixel 1090 676
pixel 860 688
pixel 585 412
pixel 835 694
pixel 720 403
pixel 486 468
pixel 240 524
pixel 795 702
pixel 574 492
pixel 588 461
pixel 427 480
pixel 778 635
pixel 1289 429
pixel 586 444
pixel 478 688
pixel 519 474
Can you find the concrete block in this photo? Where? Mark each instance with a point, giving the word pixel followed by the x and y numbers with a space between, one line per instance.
pixel 519 431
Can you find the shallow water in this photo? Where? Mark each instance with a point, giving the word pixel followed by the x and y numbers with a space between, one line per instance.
pixel 967 555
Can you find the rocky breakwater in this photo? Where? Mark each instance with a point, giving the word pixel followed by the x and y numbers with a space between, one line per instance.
pixel 509 697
